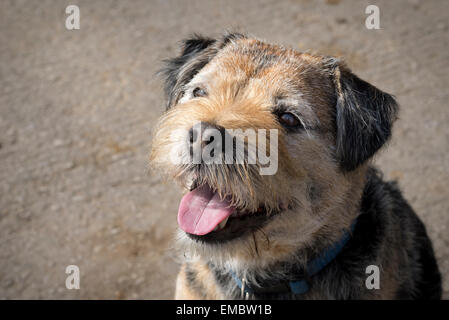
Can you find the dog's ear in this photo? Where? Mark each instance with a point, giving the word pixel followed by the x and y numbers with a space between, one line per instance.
pixel 196 52
pixel 364 117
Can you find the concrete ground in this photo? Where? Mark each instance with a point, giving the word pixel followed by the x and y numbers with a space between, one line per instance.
pixel 77 108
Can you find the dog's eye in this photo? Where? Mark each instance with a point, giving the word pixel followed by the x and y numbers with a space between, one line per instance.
pixel 199 92
pixel 289 120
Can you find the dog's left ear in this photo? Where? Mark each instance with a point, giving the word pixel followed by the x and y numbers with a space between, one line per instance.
pixel 364 118
pixel 196 52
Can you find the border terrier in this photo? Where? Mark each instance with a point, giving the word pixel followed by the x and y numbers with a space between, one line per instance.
pixel 323 224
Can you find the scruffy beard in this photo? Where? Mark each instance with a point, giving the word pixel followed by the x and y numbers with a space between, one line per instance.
pixel 292 235
pixel 281 238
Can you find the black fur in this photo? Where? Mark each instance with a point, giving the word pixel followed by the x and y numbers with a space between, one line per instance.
pixel 386 226
pixel 231 37
pixel 175 75
pixel 364 118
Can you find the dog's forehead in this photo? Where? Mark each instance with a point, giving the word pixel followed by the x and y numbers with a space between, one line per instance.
pixel 281 70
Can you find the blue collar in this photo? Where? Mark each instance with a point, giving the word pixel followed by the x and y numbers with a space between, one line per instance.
pixel 300 284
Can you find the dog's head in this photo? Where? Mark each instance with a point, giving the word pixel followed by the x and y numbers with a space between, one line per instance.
pixel 308 128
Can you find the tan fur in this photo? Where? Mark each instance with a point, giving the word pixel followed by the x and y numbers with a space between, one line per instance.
pixel 183 290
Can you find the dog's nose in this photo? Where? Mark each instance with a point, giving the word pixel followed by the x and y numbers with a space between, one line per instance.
pixel 204 133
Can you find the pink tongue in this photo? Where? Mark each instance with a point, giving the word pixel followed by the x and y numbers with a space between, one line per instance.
pixel 201 210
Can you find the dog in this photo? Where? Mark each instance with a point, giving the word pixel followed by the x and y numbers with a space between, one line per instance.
pixel 324 225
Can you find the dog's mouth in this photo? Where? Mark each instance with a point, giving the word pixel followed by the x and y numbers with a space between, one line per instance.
pixel 205 216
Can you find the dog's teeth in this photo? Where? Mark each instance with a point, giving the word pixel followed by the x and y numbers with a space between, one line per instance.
pixel 223 223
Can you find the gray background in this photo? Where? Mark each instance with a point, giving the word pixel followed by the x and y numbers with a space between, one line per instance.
pixel 77 108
